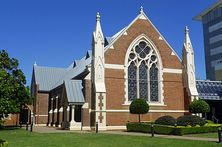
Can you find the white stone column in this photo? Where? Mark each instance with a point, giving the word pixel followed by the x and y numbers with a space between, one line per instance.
pixel 60 116
pixel 67 114
pixel 73 124
pixel 72 114
pixel 51 113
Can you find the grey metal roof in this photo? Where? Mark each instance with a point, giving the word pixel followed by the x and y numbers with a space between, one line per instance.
pixel 209 90
pixel 74 91
pixel 72 73
pixel 49 78
pixel 88 54
pixel 46 77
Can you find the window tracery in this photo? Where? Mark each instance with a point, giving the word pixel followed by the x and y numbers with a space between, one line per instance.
pixel 143 73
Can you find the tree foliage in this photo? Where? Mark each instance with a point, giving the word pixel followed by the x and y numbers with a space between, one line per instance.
pixel 199 106
pixel 13 92
pixel 139 106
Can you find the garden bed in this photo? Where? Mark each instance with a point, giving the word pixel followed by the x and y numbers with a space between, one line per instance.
pixel 172 130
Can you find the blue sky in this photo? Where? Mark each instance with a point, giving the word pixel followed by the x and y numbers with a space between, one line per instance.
pixel 56 32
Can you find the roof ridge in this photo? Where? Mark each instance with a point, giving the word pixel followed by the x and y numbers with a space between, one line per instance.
pixel 50 67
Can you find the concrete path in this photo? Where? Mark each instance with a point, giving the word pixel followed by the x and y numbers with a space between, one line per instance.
pixel 45 129
pixel 161 136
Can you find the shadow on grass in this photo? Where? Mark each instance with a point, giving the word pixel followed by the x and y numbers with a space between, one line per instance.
pixel 2 128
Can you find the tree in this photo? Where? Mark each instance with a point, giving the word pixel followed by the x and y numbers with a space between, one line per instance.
pixel 139 106
pixel 199 106
pixel 13 93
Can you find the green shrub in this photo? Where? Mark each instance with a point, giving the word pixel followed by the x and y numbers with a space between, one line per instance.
pixel 209 121
pixel 3 143
pixel 199 106
pixel 166 120
pixel 139 106
pixel 180 130
pixel 171 130
pixel 192 120
pixel 139 127
pixel 163 129
pixel 146 128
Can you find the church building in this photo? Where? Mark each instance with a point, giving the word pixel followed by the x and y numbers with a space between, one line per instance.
pixel 137 62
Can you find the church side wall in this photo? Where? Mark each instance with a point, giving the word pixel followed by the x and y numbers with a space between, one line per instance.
pixel 86 107
pixel 41 108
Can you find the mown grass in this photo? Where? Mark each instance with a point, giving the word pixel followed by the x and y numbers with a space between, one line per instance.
pixel 205 135
pixel 22 138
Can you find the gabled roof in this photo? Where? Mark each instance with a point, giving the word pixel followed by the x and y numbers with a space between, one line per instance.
pixel 74 91
pixel 142 15
pixel 49 78
pixel 77 70
pixel 215 5
pixel 46 77
pixel 209 90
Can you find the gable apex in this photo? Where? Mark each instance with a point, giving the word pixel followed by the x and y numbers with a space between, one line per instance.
pixel 143 16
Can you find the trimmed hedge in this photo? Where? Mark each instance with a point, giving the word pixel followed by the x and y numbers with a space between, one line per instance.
pixel 139 127
pixel 166 120
pixel 171 130
pixel 163 129
pixel 195 130
pixel 191 120
pixel 3 143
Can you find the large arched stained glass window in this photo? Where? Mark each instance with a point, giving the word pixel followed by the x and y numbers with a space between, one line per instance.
pixel 154 83
pixel 143 88
pixel 132 84
pixel 143 72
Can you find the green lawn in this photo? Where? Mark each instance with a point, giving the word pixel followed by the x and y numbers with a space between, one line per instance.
pixel 205 135
pixel 22 138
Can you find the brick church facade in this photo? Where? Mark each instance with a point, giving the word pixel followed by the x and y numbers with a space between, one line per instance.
pixel 137 62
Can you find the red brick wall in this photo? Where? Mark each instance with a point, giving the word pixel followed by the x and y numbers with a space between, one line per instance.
pixel 41 108
pixel 12 120
pixel 117 55
pixel 87 94
pixel 121 118
pixel 114 78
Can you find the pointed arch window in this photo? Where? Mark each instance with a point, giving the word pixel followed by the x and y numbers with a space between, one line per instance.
pixel 143 73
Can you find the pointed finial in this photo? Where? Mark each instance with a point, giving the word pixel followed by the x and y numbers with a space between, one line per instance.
pixel 97 17
pixel 141 9
pixel 35 64
pixel 186 30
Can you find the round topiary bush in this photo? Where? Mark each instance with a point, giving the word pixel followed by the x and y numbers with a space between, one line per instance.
pixel 139 106
pixel 199 106
pixel 166 120
pixel 192 120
